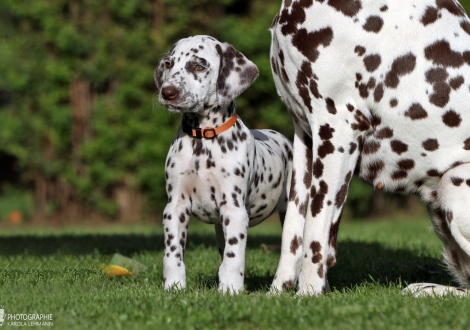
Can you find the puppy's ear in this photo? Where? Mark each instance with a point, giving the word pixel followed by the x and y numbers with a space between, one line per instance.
pixel 158 75
pixel 236 73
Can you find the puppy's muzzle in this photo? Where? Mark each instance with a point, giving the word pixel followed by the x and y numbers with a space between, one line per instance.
pixel 170 93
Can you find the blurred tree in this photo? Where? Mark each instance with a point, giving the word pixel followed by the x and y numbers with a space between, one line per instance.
pixel 79 117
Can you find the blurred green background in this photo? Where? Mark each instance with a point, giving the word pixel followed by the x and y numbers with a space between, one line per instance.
pixel 82 135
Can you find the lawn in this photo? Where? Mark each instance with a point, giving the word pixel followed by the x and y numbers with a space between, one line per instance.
pixel 57 271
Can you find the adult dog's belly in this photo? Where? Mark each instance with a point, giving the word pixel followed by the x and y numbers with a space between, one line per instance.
pixel 410 156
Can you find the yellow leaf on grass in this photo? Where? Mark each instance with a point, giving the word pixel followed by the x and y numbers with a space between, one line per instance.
pixel 113 270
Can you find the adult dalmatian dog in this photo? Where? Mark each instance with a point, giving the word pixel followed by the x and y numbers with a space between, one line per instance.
pixel 217 169
pixel 382 84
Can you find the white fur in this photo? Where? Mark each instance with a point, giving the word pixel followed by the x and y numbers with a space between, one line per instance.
pixel 423 150
pixel 233 181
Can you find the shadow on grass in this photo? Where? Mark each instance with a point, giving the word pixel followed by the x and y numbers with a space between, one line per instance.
pixel 253 283
pixel 358 262
pixel 67 244
pixel 361 262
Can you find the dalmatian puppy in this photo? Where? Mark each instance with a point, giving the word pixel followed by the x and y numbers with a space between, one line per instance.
pixel 382 84
pixel 217 169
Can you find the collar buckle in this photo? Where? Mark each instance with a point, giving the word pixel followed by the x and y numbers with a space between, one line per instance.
pixel 209 133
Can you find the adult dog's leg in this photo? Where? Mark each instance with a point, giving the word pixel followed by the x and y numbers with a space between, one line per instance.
pixel 450 217
pixel 453 221
pixel 293 224
pixel 337 136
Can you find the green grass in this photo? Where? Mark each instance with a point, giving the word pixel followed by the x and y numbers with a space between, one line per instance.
pixel 56 271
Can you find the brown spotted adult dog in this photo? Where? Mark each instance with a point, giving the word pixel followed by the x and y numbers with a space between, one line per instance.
pixel 217 169
pixel 384 83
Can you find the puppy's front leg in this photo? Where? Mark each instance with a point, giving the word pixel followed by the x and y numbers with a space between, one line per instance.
pixel 175 226
pixel 234 221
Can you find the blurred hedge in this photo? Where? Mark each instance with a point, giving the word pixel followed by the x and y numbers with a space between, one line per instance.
pixel 78 110
pixel 80 128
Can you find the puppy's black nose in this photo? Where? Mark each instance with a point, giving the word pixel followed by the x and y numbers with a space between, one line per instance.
pixel 169 93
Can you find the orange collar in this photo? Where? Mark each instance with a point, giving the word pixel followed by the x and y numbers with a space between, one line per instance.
pixel 209 132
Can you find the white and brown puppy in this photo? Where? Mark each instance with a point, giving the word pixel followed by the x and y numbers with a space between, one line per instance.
pixel 217 169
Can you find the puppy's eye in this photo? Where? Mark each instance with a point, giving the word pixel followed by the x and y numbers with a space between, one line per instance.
pixel 167 64
pixel 199 68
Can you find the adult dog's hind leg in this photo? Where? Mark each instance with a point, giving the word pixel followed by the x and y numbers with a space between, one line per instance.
pixel 450 217
pixel 454 217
